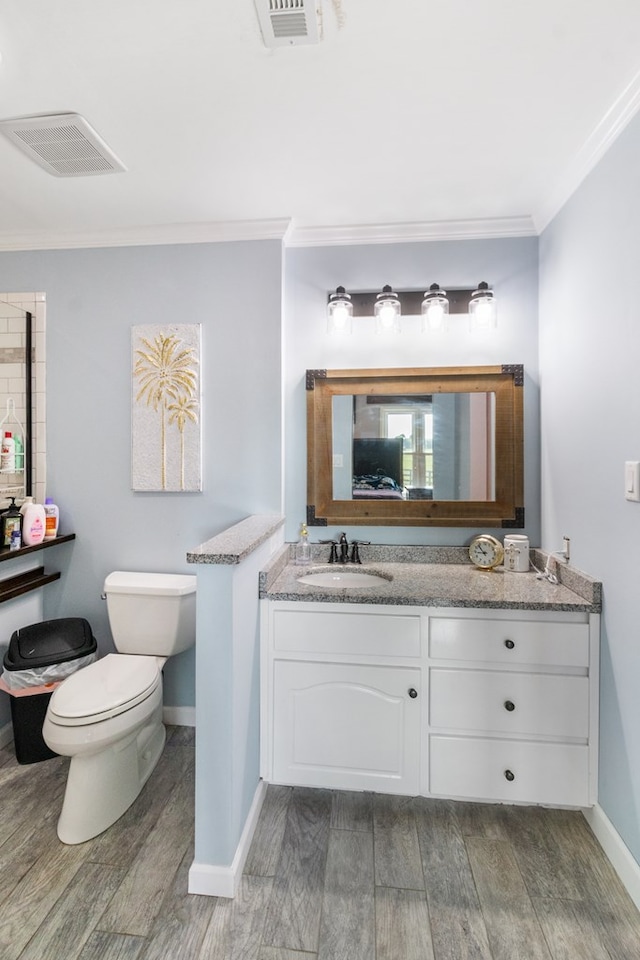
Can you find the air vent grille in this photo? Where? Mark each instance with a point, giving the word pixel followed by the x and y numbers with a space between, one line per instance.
pixel 287 22
pixel 63 144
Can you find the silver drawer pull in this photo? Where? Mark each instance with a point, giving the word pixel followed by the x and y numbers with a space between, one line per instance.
pixel 509 705
pixel 413 693
pixel 509 644
pixel 508 775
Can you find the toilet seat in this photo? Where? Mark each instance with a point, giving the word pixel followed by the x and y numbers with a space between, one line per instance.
pixel 104 689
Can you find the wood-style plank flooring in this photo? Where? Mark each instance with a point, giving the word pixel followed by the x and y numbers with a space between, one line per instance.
pixel 330 876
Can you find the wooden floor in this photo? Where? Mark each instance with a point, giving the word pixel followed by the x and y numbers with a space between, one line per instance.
pixel 330 876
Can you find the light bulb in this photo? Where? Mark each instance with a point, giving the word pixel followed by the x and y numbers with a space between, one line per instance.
pixel 435 309
pixel 387 316
pixel 387 311
pixel 339 312
pixel 482 308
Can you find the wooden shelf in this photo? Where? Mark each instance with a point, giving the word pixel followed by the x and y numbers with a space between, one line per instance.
pixel 6 553
pixel 22 583
pixel 25 582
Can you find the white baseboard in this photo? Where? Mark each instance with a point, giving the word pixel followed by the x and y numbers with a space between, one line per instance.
pixel 210 880
pixel 6 734
pixel 616 850
pixel 179 716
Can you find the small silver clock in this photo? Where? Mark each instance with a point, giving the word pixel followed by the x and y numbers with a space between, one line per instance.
pixel 486 552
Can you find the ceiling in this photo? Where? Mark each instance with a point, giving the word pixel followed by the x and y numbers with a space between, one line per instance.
pixel 414 118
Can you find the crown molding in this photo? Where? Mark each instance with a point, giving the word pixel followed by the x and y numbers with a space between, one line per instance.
pixel 172 233
pixel 481 229
pixel 615 120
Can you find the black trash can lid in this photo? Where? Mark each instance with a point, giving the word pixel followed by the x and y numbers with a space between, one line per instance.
pixel 48 642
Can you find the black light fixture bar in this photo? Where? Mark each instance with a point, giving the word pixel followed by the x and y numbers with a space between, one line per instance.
pixel 411 300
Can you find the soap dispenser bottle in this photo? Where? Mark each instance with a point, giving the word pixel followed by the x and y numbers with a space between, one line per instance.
pixel 303 547
pixel 11 520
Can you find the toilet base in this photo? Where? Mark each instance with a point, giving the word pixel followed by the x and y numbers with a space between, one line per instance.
pixel 102 786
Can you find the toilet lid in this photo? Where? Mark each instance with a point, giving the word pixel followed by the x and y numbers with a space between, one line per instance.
pixel 104 689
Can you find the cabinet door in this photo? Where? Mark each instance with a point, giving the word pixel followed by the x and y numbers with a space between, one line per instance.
pixel 346 726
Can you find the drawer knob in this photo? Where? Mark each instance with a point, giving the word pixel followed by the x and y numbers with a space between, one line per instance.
pixel 509 644
pixel 509 775
pixel 509 705
pixel 413 693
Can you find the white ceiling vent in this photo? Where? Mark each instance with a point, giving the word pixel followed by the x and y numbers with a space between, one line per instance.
pixel 62 144
pixel 288 22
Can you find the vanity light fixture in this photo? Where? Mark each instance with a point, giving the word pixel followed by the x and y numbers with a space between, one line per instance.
pixel 339 312
pixel 482 308
pixel 435 309
pixel 387 311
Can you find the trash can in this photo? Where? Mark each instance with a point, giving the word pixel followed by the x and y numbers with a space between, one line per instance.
pixel 38 659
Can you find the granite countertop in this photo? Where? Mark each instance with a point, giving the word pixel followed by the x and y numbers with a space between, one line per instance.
pixel 431 584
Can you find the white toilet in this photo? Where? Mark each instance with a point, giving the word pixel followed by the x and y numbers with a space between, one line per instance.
pixel 108 716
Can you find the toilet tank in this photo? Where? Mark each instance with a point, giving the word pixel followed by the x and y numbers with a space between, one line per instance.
pixel 152 614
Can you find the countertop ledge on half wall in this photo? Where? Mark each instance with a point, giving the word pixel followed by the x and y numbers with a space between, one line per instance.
pixel 237 542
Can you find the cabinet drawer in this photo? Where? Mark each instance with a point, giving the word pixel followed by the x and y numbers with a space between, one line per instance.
pixel 365 634
pixel 509 641
pixel 506 702
pixel 509 771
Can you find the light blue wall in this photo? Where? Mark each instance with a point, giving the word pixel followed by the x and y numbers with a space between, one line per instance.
pixel 590 400
pixel 510 266
pixel 94 297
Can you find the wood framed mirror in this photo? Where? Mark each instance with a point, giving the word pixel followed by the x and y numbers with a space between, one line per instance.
pixel 438 446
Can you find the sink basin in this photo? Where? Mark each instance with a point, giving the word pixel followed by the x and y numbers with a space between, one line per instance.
pixel 343 578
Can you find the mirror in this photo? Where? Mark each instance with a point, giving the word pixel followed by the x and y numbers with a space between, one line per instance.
pixel 434 446
pixel 16 400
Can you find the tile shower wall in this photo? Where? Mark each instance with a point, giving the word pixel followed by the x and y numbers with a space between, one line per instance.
pixel 12 377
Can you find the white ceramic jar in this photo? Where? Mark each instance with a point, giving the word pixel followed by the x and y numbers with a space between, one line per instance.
pixel 516 553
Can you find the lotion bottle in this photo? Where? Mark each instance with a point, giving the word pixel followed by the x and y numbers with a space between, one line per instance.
pixel 8 454
pixel 33 524
pixel 52 516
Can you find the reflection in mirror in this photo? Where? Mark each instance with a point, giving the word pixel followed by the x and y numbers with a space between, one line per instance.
pixel 15 401
pixel 440 446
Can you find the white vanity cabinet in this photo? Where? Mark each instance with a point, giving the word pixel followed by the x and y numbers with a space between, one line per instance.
pixel 513 706
pixel 342 697
pixel 473 703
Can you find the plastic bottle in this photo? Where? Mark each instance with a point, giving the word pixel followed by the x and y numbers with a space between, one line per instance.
pixel 52 517
pixel 19 451
pixel 8 453
pixel 303 547
pixel 11 520
pixel 33 524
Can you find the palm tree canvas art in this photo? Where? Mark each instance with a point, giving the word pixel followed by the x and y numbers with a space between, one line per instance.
pixel 166 436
